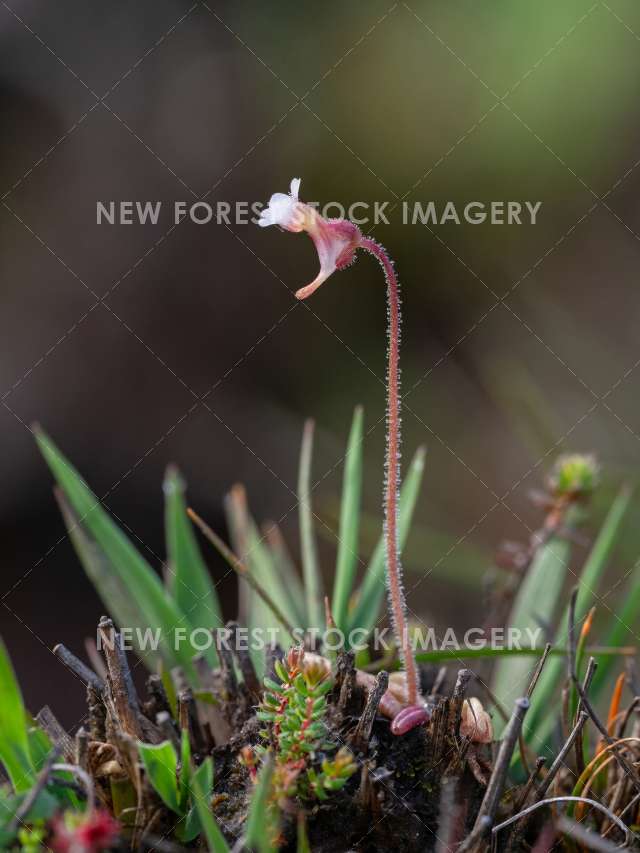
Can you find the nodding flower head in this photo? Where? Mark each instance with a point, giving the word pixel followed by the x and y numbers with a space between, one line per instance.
pixel 336 240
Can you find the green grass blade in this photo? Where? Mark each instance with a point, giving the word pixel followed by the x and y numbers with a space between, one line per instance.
pixel 262 599
pixel 15 754
pixel 132 569
pixel 202 798
pixel 621 629
pixel 557 652
pixel 554 671
pixel 105 580
pixel 347 560
pixel 286 569
pixel 189 579
pixel 374 584
pixel 313 586
pixel 536 600
pixel 302 840
pixel 161 765
pixel 259 821
pixel 185 771
pixel 265 571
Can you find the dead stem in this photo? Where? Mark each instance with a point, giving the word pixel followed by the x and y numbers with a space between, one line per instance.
pixel 493 793
pixel 628 769
pixel 585 837
pixel 78 668
pixel 33 794
pixel 239 567
pixel 551 801
pixel 543 786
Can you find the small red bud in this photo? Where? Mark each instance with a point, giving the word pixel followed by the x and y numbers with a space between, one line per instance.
pixel 409 718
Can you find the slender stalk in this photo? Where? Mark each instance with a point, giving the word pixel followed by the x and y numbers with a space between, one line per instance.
pixel 501 766
pixel 239 567
pixel 559 760
pixel 392 482
pixel 552 801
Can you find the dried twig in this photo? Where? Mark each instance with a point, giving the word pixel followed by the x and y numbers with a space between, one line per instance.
pixel 578 745
pixel 227 669
pixel 188 718
pixel 559 760
pixel 362 734
pixel 249 677
pixel 628 769
pixel 33 794
pixel 538 670
pixel 551 801
pixel 85 780
pixel 493 793
pixel 82 748
pixel 240 568
pixel 78 668
pixel 585 837
pixel 123 693
pixel 524 796
pixel 47 720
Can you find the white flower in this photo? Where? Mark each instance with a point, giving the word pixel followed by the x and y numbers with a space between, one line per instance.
pixel 336 240
pixel 283 210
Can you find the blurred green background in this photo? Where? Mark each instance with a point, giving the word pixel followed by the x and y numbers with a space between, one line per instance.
pixel 139 345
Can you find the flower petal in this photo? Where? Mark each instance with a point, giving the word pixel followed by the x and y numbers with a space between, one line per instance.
pixel 279 211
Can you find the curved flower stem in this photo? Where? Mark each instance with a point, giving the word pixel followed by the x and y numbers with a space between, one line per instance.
pixel 392 483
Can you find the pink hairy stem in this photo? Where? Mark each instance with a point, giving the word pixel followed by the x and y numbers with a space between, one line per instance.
pixel 392 484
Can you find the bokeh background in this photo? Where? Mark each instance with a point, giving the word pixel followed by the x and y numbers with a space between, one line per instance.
pixel 140 345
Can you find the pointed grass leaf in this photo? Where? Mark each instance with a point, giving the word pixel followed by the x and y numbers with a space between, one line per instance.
pixel 106 582
pixel 201 789
pixel 302 839
pixel 260 822
pixel 15 753
pixel 185 770
pixel 286 569
pixel 313 587
pixel 134 572
pixel 347 560
pixel 188 577
pixel 269 594
pixel 161 764
pixel 593 569
pixel 265 571
pixel 536 600
pixel 374 584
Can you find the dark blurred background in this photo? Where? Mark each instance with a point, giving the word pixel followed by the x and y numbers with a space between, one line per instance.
pixel 520 342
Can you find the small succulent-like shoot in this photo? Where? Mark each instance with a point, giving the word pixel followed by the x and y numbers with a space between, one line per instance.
pixel 295 710
pixel 333 775
pixel 336 241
